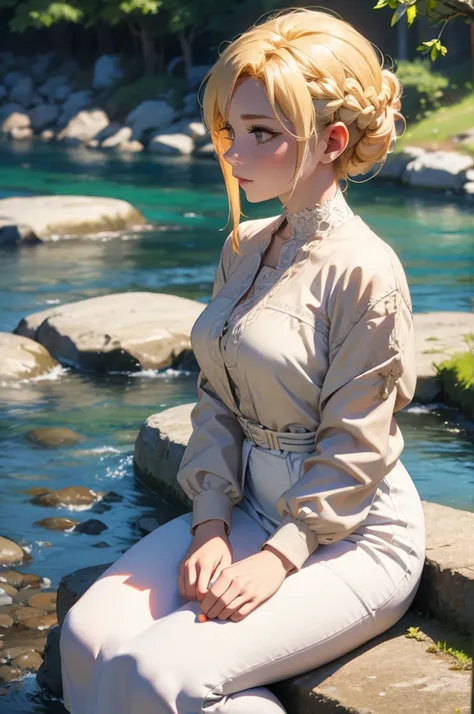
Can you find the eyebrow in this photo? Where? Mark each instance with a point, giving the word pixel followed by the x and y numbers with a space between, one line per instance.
pixel 255 116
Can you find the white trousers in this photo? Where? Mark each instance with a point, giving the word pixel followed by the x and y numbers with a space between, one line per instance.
pixel 133 645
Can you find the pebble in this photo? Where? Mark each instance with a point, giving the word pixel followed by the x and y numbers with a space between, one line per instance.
pixel 42 622
pixel 9 674
pixel 10 552
pixel 26 612
pixel 91 527
pixel 30 661
pixel 5 620
pixel 8 589
pixel 45 601
pixel 12 577
pixel 57 524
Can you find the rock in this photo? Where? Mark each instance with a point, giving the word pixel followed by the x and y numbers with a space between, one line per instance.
pixel 62 93
pixel 28 661
pixel 468 188
pixel 438 335
pixel 41 622
pixel 22 358
pixel 49 673
pixel 3 93
pixel 25 613
pixel 83 126
pixel 47 135
pixel 467 137
pixel 107 72
pixel 11 233
pixel 12 577
pixel 48 89
pixel 42 65
pixel 75 103
pixel 199 133
pixel 147 524
pixel 43 115
pixel 12 78
pixel 397 162
pixel 120 136
pixel 9 674
pixel 91 527
pixel 5 621
pixel 57 524
pixel 73 586
pixel 178 144
pixel 438 169
pixel 49 216
pixel 10 552
pixel 45 601
pixel 159 449
pixel 190 104
pixel 52 437
pixel 79 496
pixel 177 67
pixel 15 120
pixel 150 115
pixel 22 92
pixel 7 589
pixel 206 150
pixel 20 134
pixel 5 599
pixel 132 147
pixel 117 332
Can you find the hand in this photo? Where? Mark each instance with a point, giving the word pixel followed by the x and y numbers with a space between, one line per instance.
pixel 209 552
pixel 243 586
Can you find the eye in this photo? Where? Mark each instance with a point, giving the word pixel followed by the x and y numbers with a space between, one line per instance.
pixel 254 129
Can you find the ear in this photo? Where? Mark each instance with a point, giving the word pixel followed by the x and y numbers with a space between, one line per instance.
pixel 335 138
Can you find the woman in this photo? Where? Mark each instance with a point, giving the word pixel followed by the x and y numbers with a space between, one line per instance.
pixel 306 537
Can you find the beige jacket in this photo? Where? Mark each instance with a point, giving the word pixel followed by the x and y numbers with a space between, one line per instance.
pixel 329 345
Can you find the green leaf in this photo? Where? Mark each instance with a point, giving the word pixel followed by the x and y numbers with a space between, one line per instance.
pixel 411 14
pixel 380 4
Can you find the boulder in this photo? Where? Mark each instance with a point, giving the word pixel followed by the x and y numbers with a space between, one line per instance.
pixel 206 150
pixel 148 116
pixel 48 89
pixel 468 188
pixel 43 115
pixel 50 216
pixel 22 358
pixel 197 74
pixel 118 332
pixel 21 133
pixel 12 232
pixel 11 78
pixel 10 552
pixel 47 135
pixel 107 72
pixel 83 127
pixel 438 336
pixel 397 162
pixel 177 144
pixel 61 93
pixel 190 104
pixel 42 65
pixel 15 120
pixel 122 135
pixel 438 169
pixel 75 103
pixel 22 92
pixel 3 93
pixel 133 147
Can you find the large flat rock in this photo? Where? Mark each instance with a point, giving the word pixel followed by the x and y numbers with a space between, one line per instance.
pixel 447 586
pixel 118 332
pixel 49 217
pixel 22 358
pixel 438 336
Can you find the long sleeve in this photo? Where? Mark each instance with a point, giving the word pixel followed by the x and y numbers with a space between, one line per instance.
pixel 371 375
pixel 210 468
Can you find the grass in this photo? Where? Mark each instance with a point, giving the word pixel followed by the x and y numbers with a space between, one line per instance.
pixel 463 659
pixel 456 376
pixel 437 130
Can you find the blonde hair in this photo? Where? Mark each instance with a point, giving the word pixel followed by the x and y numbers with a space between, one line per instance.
pixel 319 69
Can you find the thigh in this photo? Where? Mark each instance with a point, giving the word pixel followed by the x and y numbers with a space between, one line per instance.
pixel 316 616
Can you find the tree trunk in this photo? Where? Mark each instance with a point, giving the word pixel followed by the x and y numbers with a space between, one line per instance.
pixel 186 44
pixel 148 50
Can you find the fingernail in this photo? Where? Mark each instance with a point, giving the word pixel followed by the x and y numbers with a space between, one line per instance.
pixel 202 617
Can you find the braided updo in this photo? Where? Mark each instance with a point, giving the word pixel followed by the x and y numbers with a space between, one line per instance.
pixel 317 69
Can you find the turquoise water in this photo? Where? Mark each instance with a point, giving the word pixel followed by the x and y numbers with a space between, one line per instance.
pixel 185 202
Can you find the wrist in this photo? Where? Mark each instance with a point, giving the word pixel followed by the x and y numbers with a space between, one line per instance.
pixel 287 564
pixel 213 525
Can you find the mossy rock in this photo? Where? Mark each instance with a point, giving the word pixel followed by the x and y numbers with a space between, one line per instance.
pixel 456 377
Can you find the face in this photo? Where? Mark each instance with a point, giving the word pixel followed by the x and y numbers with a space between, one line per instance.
pixel 260 150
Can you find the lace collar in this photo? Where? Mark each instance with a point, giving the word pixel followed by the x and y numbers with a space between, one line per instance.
pixel 319 219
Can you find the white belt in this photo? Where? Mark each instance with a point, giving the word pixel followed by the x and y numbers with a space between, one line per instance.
pixel 283 440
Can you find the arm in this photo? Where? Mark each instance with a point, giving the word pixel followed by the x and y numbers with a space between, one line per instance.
pixel 211 464
pixel 372 373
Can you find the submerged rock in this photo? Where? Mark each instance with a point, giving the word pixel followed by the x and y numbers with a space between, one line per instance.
pixel 69 496
pixel 52 216
pixel 54 436
pixel 10 552
pixel 120 332
pixel 23 358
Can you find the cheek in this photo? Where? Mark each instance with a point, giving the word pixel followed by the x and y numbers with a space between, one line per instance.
pixel 281 158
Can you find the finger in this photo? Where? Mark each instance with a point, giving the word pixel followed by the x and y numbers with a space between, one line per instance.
pixel 233 607
pixel 190 581
pixel 244 611
pixel 181 586
pixel 202 585
pixel 216 591
pixel 224 601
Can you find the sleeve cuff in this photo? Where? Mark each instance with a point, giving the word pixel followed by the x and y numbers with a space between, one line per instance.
pixel 293 539
pixel 211 503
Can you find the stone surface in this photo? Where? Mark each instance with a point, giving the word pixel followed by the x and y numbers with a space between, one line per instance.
pixel 50 216
pixel 178 144
pixel 10 552
pixel 150 115
pixel 22 358
pixel 54 436
pixel 107 72
pixel 14 120
pixel 123 331
pixel 438 169
pixel 43 115
pixel 83 126
pixel 448 329
pixel 397 162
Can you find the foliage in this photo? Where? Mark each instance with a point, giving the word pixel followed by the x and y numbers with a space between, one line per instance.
pixel 436 11
pixel 457 377
pixel 129 96
pixel 422 87
pixel 42 13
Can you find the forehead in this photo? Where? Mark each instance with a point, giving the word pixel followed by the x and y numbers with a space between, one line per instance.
pixel 250 97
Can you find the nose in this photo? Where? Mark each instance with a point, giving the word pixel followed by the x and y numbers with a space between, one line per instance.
pixel 231 156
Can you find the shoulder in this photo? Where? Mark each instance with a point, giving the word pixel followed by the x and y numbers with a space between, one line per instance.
pixel 365 267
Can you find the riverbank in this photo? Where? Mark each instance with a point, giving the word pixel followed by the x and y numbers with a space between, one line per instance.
pixel 40 101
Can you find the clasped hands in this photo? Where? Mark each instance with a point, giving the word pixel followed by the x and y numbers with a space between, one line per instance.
pixel 238 588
